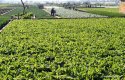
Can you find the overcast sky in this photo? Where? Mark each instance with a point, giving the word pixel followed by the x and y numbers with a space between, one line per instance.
pixel 37 0
pixel 17 1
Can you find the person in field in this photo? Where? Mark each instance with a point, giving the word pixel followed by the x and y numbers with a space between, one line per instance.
pixel 53 12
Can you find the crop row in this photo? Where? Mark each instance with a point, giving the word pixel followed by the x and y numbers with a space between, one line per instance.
pixel 2 11
pixel 79 49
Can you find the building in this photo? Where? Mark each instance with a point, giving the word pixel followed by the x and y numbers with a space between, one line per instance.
pixel 122 6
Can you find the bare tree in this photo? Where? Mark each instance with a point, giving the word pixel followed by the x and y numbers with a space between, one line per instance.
pixel 24 8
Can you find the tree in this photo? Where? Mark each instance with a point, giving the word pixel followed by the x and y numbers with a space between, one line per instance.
pixel 24 8
pixel 40 6
pixel 87 4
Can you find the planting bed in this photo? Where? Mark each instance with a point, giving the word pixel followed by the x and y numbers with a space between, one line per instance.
pixel 2 11
pixel 4 19
pixel 67 13
pixel 77 49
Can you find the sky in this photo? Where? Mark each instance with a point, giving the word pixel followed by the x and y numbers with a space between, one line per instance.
pixel 37 0
pixel 17 1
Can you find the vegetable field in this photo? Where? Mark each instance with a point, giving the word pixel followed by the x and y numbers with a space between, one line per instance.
pixel 6 17
pixel 77 49
pixel 3 21
pixel 66 13
pixel 5 5
pixel 39 13
pixel 111 12
pixel 4 10
pixel 12 11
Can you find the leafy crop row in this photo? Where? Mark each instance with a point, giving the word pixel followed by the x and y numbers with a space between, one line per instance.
pixel 78 49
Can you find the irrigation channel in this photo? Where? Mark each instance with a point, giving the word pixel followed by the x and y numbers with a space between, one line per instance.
pixel 67 13
pixel 4 25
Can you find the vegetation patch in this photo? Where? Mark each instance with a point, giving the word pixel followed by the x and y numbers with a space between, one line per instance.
pixel 79 49
pixel 111 12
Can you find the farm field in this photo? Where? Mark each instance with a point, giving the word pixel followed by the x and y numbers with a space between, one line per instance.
pixel 38 12
pixel 3 21
pixel 14 12
pixel 33 9
pixel 6 17
pixel 4 10
pixel 111 12
pixel 65 49
pixel 66 13
pixel 5 5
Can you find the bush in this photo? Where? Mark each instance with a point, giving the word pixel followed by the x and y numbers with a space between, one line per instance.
pixel 27 16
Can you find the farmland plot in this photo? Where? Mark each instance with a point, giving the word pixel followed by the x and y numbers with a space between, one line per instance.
pixel 4 19
pixel 111 12
pixel 5 10
pixel 78 49
pixel 39 13
pixel 66 13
